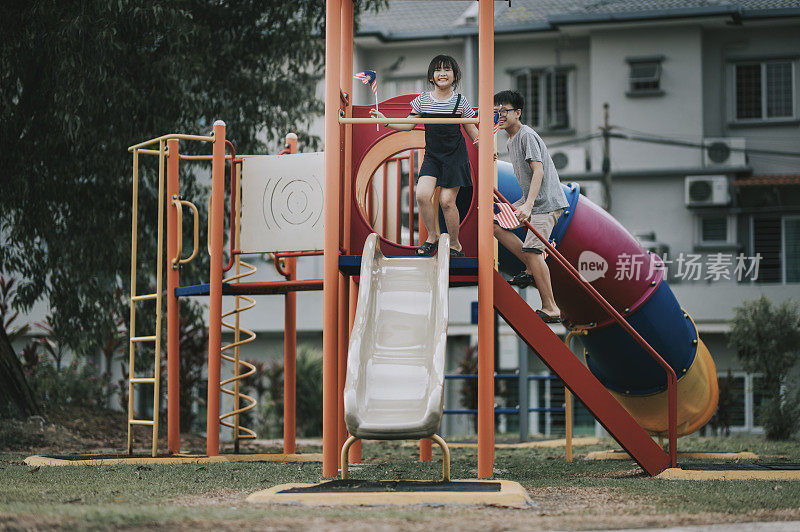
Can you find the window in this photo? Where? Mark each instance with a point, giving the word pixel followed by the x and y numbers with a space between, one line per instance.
pixel 715 229
pixel 740 397
pixel 764 90
pixel 645 76
pixel 547 96
pixel 777 239
pixel 791 249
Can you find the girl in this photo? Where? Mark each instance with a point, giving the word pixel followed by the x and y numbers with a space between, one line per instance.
pixel 446 163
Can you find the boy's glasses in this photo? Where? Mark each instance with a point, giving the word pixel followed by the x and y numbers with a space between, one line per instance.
pixel 505 110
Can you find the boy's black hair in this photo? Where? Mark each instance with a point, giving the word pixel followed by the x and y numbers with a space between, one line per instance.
pixel 446 61
pixel 513 98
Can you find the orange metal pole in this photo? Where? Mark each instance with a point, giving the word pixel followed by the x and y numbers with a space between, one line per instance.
pixel 290 345
pixel 485 242
pixel 173 308
pixel 330 291
pixel 217 214
pixel 346 83
pixel 290 360
pixel 425 450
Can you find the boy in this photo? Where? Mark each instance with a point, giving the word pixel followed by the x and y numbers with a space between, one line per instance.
pixel 542 203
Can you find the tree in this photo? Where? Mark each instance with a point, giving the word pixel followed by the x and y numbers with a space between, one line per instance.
pixel 767 338
pixel 82 81
pixel 16 396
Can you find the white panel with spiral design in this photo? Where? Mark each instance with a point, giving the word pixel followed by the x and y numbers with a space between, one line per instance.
pixel 282 203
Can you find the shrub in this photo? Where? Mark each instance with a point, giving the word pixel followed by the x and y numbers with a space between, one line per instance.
pixel 767 337
pixel 76 384
pixel 308 396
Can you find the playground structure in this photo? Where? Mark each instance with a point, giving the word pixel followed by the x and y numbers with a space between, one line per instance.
pixel 629 387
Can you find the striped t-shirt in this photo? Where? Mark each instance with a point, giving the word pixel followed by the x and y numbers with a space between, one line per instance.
pixel 425 103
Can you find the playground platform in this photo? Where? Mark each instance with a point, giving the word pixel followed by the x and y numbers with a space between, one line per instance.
pixel 504 493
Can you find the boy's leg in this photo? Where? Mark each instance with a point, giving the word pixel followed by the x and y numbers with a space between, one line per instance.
pixel 510 241
pixel 533 249
pixel 426 186
pixel 447 200
pixel 541 274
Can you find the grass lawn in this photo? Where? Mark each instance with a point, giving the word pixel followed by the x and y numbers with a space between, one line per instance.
pixel 581 495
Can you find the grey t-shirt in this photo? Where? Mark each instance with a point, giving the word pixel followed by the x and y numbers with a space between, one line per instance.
pixel 527 146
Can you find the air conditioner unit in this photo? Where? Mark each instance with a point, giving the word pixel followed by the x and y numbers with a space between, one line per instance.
pixel 594 191
pixel 569 161
pixel 724 151
pixel 706 190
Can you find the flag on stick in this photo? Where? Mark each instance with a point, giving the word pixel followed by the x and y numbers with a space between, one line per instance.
pixel 370 77
pixel 506 216
pixel 496 123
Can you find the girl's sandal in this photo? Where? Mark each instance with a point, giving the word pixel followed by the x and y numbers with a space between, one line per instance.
pixel 456 253
pixel 427 249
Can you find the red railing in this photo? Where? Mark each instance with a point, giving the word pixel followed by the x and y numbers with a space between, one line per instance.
pixel 672 379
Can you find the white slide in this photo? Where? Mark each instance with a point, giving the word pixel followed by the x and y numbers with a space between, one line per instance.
pixel 394 387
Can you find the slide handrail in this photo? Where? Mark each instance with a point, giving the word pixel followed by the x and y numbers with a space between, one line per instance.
pixel 672 379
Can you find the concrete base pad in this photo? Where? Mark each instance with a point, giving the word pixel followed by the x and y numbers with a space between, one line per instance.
pixel 676 473
pixel 622 455
pixel 37 460
pixel 510 494
pixel 521 445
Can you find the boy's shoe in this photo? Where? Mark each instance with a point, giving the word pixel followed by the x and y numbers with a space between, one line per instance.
pixel 456 253
pixel 523 279
pixel 427 249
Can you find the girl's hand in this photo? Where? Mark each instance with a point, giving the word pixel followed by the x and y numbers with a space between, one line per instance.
pixel 376 114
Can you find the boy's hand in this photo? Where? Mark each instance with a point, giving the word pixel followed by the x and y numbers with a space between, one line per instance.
pixel 524 212
pixel 376 114
pixel 494 157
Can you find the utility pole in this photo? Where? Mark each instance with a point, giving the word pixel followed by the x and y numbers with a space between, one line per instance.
pixel 606 129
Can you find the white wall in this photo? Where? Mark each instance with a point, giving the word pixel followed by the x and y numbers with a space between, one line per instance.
pixel 677 113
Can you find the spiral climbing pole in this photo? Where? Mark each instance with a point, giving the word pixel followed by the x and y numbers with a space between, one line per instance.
pixel 231 352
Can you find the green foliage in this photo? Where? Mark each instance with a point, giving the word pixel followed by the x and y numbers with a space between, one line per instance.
pixel 308 396
pixel 82 81
pixel 76 384
pixel 193 337
pixel 767 337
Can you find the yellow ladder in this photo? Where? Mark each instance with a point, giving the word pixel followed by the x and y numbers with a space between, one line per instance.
pixel 157 296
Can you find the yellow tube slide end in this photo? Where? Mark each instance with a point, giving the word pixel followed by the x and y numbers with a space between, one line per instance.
pixel 698 394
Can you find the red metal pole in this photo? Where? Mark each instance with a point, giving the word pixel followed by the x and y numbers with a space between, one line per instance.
pixel 384 203
pixel 217 215
pixel 411 198
pixel 173 306
pixel 330 294
pixel 399 213
pixel 485 242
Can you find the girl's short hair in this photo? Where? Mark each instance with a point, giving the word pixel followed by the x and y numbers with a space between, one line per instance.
pixel 443 60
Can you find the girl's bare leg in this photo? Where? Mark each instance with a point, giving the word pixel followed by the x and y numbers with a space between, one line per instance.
pixel 426 186
pixel 447 200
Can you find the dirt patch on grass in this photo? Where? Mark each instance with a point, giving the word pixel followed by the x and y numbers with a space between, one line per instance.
pixel 79 430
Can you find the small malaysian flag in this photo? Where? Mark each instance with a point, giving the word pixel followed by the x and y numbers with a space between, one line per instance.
pixel 506 216
pixel 369 77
